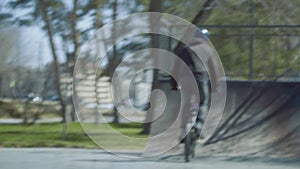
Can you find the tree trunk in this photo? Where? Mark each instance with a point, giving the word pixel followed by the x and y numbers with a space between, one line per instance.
pixel 204 13
pixel 54 55
pixel 200 17
pixel 1 90
pixel 98 15
pixel 155 6
pixel 71 65
pixel 97 26
pixel 115 58
pixel 74 30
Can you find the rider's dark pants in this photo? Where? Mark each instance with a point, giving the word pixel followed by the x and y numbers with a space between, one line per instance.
pixel 204 92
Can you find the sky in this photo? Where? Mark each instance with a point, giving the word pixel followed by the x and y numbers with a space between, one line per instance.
pixel 33 41
pixel 32 48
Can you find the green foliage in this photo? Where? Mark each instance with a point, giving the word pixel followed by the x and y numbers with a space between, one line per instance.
pixel 273 47
pixel 232 43
pixel 49 135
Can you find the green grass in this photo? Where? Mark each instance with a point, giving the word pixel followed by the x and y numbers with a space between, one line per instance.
pixel 50 135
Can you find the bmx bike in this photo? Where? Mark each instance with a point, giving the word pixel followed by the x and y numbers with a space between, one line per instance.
pixel 190 140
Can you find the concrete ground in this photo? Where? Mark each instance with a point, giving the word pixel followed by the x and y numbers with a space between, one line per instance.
pixel 56 120
pixel 59 158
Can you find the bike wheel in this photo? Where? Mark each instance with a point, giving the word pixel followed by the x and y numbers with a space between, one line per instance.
pixel 192 148
pixel 187 146
pixel 194 137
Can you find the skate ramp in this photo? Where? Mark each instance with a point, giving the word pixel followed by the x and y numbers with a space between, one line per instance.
pixel 164 131
pixel 260 119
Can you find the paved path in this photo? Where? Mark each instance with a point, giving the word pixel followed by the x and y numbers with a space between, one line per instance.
pixel 45 158
pixel 55 120
pixel 18 121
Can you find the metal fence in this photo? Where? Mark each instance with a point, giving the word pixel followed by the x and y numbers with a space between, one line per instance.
pixel 254 52
pixel 261 52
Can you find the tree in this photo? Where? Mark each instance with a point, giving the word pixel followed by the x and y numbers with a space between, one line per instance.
pixel 47 21
pixel 41 9
pixel 114 60
pixel 155 6
pixel 237 45
pixel 8 39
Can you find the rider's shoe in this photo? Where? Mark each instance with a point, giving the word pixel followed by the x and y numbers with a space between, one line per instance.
pixel 201 137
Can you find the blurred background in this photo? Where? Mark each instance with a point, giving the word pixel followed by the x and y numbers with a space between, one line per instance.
pixel 258 42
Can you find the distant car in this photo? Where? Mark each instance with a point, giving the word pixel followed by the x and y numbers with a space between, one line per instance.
pixel 37 99
pixel 53 98
pixel 34 97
